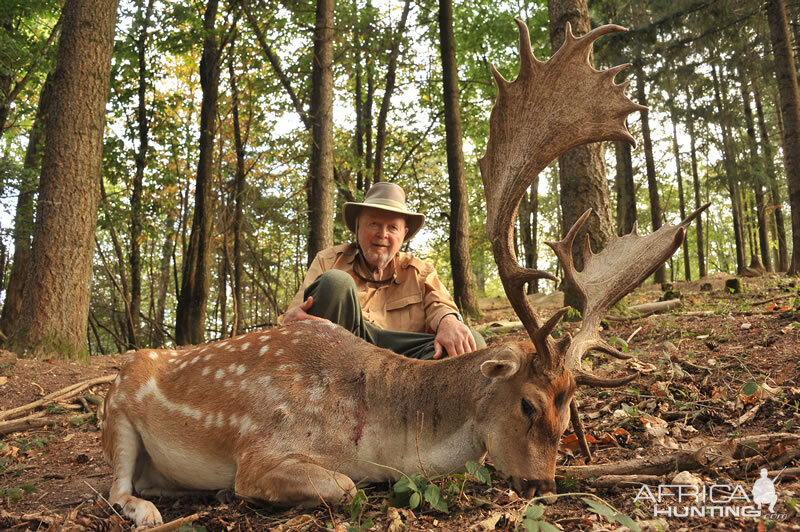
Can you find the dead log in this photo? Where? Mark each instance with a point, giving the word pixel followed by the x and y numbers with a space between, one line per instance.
pixel 647 309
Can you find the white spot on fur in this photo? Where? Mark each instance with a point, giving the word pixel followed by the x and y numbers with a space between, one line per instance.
pixel 153 355
pixel 207 357
pixel 245 346
pixel 195 360
pixel 234 420
pixel 284 367
pixel 222 343
pixel 297 378
pixel 117 380
pixel 264 337
pixel 315 393
pixel 263 351
pixel 206 371
pixel 209 420
pixel 220 420
pixel 228 383
pixel 183 364
pixel 245 423
pixel 219 374
pixel 285 331
pixel 240 370
pixel 279 352
pixel 296 341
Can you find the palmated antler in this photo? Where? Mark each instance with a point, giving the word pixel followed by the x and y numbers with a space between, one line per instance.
pixel 550 108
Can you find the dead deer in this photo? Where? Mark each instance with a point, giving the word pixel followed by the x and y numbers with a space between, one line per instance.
pixel 301 413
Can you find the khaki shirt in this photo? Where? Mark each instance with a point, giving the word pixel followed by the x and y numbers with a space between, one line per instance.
pixel 415 300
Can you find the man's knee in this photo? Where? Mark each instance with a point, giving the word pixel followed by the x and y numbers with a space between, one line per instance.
pixel 480 343
pixel 329 284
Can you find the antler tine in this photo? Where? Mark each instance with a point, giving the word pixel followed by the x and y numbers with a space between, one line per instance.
pixel 607 277
pixel 534 120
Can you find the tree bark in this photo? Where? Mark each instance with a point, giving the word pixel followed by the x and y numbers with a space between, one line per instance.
pixel 687 265
pixel 582 170
pixel 730 170
pixel 528 226
pixel 463 285
pixel 321 185
pixel 54 317
pixel 701 256
pixel 790 110
pixel 626 191
pixel 190 315
pixel 23 218
pixel 652 184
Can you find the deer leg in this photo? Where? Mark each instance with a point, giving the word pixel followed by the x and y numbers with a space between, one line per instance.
pixel 126 451
pixel 290 481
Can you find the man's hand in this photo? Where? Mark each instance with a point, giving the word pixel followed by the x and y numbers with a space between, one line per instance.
pixel 300 313
pixel 454 337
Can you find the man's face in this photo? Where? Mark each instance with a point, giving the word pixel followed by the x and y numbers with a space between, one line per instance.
pixel 380 235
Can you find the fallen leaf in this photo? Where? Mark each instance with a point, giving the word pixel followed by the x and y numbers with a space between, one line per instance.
pixel 490 523
pixel 3 380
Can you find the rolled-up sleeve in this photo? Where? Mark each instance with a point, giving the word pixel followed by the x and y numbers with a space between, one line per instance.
pixel 438 301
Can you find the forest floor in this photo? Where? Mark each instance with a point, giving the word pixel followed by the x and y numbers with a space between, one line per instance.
pixel 719 393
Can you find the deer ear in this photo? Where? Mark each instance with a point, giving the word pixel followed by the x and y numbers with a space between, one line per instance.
pixel 500 369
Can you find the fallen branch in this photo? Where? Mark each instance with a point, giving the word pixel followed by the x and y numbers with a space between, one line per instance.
pixel 26 423
pixel 626 481
pixel 173 525
pixel 707 456
pixel 64 393
pixel 647 309
pixel 25 518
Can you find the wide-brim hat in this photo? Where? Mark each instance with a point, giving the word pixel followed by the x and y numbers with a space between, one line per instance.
pixel 387 197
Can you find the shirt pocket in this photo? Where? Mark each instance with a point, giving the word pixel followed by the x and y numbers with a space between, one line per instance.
pixel 406 313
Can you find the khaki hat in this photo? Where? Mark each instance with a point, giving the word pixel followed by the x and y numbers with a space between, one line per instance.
pixel 387 197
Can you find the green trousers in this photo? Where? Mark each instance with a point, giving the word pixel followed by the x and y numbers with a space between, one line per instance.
pixel 336 299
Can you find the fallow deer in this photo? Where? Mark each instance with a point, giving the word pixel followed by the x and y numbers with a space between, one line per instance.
pixel 301 413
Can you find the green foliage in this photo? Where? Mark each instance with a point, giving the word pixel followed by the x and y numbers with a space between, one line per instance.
pixel 533 520
pixel 750 387
pixel 611 515
pixel 480 472
pixel 419 489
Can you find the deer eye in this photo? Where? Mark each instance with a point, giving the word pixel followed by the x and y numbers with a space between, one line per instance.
pixel 527 408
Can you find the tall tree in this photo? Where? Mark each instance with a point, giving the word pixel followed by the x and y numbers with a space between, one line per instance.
pixel 321 186
pixel 238 216
pixel 650 165
pixel 190 315
pixel 23 218
pixel 626 190
pixel 687 265
pixel 582 170
pixel 56 299
pixel 143 15
pixel 790 111
pixel 728 158
pixel 701 255
pixel 463 285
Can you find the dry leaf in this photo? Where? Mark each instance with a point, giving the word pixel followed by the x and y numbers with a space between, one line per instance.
pixel 3 380
pixel 489 523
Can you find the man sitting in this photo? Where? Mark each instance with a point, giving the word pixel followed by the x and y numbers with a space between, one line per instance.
pixel 389 298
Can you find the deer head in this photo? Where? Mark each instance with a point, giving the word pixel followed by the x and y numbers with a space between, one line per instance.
pixel 550 108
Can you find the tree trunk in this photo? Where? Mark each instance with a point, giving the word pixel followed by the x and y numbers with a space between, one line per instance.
pixel 652 184
pixel 626 191
pixel 701 255
pixel 782 258
pixel 321 186
pixel 55 309
pixel 687 265
pixel 23 218
pixel 730 170
pixel 143 17
pixel 238 215
pixel 528 225
pixel 190 315
pixel 756 173
pixel 582 170
pixel 167 251
pixel 383 112
pixel 790 110
pixel 463 285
